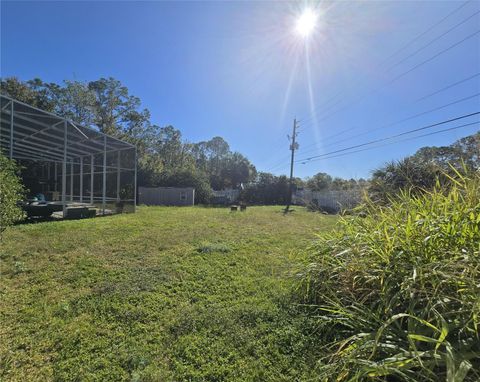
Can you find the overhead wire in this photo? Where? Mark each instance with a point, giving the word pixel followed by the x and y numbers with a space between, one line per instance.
pixel 390 137
pixel 326 116
pixel 434 56
pixel 433 41
pixel 348 150
pixel 412 41
pixel 397 122
pixel 281 162
pixel 401 120
pixel 447 87
pixel 401 75
pixel 397 141
pixel 416 38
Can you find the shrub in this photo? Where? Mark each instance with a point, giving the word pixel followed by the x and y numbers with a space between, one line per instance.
pixel 11 193
pixel 396 293
pixel 406 174
pixel 423 170
pixel 315 207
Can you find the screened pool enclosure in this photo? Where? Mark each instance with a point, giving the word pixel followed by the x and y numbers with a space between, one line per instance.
pixel 66 166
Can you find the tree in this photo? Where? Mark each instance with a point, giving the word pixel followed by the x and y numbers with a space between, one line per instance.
pixel 323 181
pixel 217 150
pixel 166 153
pixel 186 178
pixel 236 170
pixel 107 106
pixel 114 108
pixel 225 169
pixel 267 189
pixel 11 193
pixel 34 92
pixel 75 101
pixel 464 152
pixel 319 182
pixel 422 170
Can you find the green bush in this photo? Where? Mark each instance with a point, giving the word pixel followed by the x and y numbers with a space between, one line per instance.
pixel 396 293
pixel 424 169
pixel 11 192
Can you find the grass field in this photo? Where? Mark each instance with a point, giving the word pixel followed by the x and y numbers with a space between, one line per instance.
pixel 167 294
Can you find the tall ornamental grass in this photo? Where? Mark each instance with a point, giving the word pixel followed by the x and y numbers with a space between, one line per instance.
pixel 396 292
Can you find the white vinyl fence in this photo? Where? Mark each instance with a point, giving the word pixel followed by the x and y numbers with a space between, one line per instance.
pixel 328 200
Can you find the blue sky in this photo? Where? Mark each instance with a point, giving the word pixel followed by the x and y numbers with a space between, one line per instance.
pixel 238 70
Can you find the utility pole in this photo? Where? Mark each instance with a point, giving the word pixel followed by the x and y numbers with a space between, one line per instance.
pixel 293 146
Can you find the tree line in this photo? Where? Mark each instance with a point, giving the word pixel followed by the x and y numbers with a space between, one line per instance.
pixel 165 158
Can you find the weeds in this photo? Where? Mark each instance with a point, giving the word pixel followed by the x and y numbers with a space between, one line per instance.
pixel 396 293
pixel 213 247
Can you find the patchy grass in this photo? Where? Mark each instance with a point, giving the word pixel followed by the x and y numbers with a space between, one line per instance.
pixel 167 294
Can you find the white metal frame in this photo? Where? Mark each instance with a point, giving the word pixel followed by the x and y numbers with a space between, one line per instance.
pixel 27 132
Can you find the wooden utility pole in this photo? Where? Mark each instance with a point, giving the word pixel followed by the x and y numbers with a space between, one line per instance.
pixel 293 146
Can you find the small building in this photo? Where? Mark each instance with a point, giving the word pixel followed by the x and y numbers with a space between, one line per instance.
pixel 166 196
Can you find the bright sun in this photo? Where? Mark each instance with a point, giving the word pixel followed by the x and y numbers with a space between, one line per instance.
pixel 306 23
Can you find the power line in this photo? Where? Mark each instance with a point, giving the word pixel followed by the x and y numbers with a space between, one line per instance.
pixel 447 87
pixel 397 141
pixel 430 111
pixel 427 30
pixel 434 40
pixel 391 137
pixel 417 100
pixel 434 56
pixel 272 159
pixel 405 73
pixel 397 122
pixel 390 143
pixel 328 115
pixel 416 38
pixel 278 163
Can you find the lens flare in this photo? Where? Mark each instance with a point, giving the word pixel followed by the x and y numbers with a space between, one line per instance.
pixel 306 23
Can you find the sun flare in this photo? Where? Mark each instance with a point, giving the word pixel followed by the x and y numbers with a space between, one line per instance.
pixel 306 23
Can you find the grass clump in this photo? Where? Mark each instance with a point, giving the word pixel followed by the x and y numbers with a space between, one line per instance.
pixel 396 294
pixel 213 247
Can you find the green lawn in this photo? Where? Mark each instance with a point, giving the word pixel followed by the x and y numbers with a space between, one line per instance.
pixel 167 294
